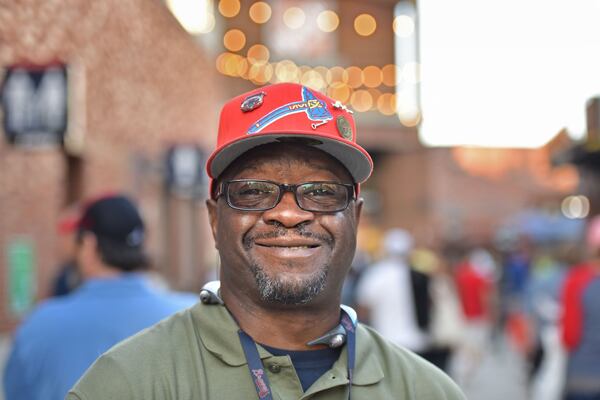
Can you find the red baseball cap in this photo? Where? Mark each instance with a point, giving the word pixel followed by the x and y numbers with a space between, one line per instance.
pixel 288 110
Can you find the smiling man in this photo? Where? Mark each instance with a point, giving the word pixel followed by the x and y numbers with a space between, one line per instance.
pixel 284 210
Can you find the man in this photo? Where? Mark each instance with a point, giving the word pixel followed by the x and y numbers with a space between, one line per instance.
pixel 284 213
pixel 403 315
pixel 63 336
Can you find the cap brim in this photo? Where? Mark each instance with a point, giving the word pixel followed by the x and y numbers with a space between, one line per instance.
pixel 356 160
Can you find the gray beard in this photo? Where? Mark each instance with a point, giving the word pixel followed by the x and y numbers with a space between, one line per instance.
pixel 275 290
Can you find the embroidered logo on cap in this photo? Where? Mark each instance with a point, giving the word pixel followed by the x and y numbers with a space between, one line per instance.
pixel 315 110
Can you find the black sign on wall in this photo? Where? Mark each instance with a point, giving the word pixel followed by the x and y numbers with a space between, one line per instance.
pixel 185 174
pixel 34 103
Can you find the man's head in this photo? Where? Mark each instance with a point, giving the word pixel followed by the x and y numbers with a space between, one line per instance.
pixel 284 208
pixel 111 231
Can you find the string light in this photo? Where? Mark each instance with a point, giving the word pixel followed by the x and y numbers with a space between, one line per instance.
pixel 361 100
pixel 258 54
pixel 294 17
pixel 229 8
pixel 260 12
pixel 353 77
pixel 372 76
pixel 404 26
pixel 234 40
pixel 365 24
pixel 328 21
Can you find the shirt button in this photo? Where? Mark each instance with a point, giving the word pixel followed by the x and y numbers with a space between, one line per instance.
pixel 275 368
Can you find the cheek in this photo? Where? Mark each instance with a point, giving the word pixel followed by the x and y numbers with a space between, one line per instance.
pixel 233 226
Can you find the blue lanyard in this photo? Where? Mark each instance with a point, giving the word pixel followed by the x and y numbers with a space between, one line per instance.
pixel 257 370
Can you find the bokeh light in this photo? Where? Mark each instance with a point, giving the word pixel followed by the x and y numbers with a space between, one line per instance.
pixel 260 12
pixel 234 40
pixel 365 24
pixel 287 71
pixel 258 54
pixel 339 91
pixel 386 104
pixel 361 100
pixel 313 80
pixel 389 75
pixel 575 207
pixel 328 21
pixel 334 74
pixel 353 77
pixel 372 76
pixel 294 17
pixel 196 17
pixel 229 8
pixel 404 26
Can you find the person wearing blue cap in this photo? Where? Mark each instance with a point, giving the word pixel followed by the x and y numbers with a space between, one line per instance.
pixel 63 336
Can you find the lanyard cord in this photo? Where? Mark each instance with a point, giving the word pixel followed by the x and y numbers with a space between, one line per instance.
pixel 257 371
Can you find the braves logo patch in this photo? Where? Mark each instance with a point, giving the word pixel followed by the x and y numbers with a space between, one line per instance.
pixel 314 108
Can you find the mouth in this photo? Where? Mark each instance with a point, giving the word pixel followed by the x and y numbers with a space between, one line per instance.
pixel 288 248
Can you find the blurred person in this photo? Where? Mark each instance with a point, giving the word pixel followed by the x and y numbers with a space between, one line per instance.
pixel 476 292
pixel 63 336
pixel 581 322
pixel 68 277
pixel 395 299
pixel 284 209
pixel 547 357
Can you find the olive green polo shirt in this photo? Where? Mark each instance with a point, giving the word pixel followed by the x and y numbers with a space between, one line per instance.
pixel 196 355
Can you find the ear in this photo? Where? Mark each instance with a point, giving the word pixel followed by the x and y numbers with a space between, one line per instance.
pixel 213 219
pixel 358 210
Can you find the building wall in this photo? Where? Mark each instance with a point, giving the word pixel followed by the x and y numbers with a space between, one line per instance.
pixel 138 84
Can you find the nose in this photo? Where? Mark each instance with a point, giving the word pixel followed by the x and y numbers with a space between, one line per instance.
pixel 287 212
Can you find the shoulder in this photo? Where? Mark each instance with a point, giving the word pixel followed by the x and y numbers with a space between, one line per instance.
pixel 405 371
pixel 132 364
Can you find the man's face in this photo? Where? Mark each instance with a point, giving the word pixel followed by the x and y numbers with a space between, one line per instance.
pixel 285 255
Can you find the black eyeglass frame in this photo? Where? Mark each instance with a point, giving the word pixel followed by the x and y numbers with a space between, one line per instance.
pixel 283 188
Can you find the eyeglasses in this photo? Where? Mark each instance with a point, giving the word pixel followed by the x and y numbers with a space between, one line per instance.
pixel 261 195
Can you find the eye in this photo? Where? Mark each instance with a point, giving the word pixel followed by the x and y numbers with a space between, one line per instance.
pixel 248 189
pixel 320 190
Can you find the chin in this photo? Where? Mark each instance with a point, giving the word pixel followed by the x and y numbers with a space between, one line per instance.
pixel 289 289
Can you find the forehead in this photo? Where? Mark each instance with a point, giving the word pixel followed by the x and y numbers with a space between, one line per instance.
pixel 286 158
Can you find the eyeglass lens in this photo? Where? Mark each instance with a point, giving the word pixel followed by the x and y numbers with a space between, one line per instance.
pixel 312 196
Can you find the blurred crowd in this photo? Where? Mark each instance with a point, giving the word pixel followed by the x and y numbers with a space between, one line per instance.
pixel 456 303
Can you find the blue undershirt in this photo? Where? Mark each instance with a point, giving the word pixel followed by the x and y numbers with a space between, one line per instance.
pixel 309 364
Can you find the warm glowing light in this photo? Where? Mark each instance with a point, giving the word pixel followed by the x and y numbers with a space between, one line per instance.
pixel 231 64
pixel 229 8
pixel 260 12
pixel 258 54
pixel 323 72
pixel 404 26
pixel 242 68
pixel 361 100
pixel 386 104
pixel 313 80
pixel 410 118
pixel 372 76
pixel 195 16
pixel 294 17
pixel 234 40
pixel 411 72
pixel 334 74
pixel 353 77
pixel 287 71
pixel 365 24
pixel 339 91
pixel 389 75
pixel 575 207
pixel 220 62
pixel 328 21
pixel 260 74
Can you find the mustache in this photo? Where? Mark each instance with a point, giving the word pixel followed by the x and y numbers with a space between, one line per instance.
pixel 281 231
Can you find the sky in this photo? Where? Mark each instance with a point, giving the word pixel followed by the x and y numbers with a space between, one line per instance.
pixel 508 73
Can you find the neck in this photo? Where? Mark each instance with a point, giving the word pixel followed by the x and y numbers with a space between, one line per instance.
pixel 283 327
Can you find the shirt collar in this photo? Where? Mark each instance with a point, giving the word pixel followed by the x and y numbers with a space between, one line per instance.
pixel 218 332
